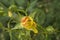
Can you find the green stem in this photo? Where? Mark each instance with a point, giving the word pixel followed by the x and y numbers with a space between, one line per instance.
pixel 46 37
pixel 10 33
pixel 9 30
pixel 45 32
pixel 23 12
pixel 41 28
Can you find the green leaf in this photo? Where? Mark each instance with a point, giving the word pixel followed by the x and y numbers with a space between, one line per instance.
pixel 20 2
pixel 40 17
pixel 30 8
pixel 33 14
pixel 18 26
pixel 1 25
pixel 4 19
pixel 50 29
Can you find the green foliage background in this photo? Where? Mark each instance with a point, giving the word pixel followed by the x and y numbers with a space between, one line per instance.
pixel 46 13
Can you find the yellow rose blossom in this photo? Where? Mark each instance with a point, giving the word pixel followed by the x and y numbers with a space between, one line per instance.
pixel 28 23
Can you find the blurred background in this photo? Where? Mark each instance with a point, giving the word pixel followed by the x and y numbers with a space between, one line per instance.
pixel 46 13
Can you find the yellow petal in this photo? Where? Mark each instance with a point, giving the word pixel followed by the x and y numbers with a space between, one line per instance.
pixel 35 30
